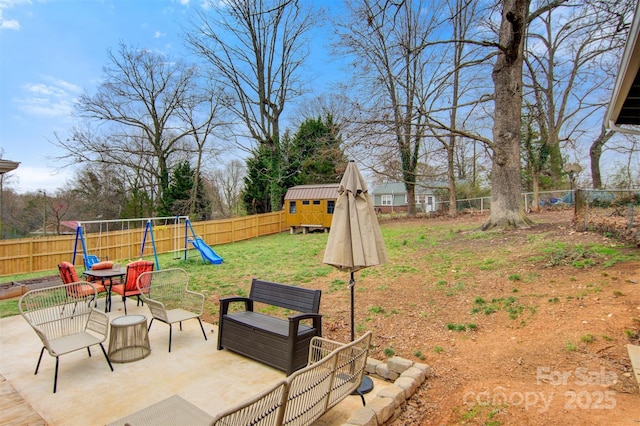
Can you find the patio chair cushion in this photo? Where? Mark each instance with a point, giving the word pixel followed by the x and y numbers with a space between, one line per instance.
pixel 69 275
pixel 105 264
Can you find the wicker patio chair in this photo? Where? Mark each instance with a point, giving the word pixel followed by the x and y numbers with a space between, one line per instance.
pixel 128 288
pixel 64 320
pixel 168 298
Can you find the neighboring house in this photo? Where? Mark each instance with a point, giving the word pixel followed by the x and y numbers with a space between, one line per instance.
pixel 310 206
pixel 65 228
pixel 392 197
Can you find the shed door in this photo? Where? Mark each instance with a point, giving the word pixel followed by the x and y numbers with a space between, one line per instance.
pixel 311 212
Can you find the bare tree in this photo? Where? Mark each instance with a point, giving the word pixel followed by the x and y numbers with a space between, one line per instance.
pixel 202 130
pixel 459 86
pixel 595 153
pixel 61 207
pixel 389 40
pixel 139 110
pixel 256 49
pixel 568 56
pixel 229 184
pixel 98 191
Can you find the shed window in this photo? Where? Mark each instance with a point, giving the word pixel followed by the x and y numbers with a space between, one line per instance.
pixel 305 202
pixel 292 207
pixel 331 205
pixel 386 200
pixel 316 202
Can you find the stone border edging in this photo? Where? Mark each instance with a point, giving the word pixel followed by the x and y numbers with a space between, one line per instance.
pixel 388 403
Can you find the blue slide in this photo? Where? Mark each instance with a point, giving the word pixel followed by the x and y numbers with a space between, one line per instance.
pixel 207 253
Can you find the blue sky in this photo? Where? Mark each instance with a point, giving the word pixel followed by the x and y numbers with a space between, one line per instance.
pixel 51 51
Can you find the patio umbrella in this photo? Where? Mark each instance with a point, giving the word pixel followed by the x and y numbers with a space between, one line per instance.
pixel 355 241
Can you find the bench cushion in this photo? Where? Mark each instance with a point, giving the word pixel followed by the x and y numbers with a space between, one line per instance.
pixel 269 324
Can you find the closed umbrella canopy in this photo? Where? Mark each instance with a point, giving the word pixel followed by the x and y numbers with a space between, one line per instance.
pixel 355 240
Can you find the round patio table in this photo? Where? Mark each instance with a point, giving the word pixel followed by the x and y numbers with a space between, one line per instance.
pixel 129 339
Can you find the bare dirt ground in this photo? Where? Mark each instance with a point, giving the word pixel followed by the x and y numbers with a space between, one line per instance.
pixel 542 344
pixel 544 340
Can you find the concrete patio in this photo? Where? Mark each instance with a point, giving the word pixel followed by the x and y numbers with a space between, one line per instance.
pixel 90 394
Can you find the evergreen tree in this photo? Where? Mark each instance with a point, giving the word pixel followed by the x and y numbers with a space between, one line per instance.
pixel 138 204
pixel 179 199
pixel 317 147
pixel 313 155
pixel 256 194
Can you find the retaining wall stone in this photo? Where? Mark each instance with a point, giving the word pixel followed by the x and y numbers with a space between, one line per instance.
pixel 388 403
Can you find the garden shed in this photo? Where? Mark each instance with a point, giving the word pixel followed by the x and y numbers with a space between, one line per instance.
pixel 310 206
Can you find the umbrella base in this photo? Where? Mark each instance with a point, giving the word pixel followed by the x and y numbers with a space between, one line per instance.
pixel 366 386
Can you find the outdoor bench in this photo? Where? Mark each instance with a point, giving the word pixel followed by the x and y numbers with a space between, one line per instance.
pixel 280 343
pixel 334 371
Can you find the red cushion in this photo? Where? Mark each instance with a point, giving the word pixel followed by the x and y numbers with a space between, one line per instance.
pixel 68 273
pixel 105 264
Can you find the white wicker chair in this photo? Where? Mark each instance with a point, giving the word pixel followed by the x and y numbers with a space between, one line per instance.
pixel 64 320
pixel 165 293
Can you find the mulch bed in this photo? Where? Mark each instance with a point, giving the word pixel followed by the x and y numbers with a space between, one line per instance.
pixel 18 288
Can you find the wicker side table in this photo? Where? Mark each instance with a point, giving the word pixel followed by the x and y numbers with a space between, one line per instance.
pixel 129 339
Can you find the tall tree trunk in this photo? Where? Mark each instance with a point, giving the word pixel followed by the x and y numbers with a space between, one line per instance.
pixel 506 203
pixel 411 199
pixel 451 179
pixel 536 191
pixel 595 152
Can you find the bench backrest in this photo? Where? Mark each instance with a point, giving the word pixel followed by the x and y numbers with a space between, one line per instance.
pixel 351 361
pixel 308 393
pixel 264 409
pixel 309 390
pixel 285 296
pixel 321 385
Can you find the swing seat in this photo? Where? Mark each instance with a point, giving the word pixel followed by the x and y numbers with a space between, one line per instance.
pixel 90 260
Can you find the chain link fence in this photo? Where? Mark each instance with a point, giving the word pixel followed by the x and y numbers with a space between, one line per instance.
pixel 613 212
pixel 559 198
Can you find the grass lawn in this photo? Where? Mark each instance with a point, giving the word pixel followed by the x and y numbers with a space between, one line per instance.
pixel 486 310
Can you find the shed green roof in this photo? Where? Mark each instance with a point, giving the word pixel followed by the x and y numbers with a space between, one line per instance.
pixel 313 192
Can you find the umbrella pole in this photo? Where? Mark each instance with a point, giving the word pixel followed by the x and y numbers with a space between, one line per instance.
pixel 352 284
pixel 366 385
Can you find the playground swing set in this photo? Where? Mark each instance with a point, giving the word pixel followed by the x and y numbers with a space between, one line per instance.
pixel 89 259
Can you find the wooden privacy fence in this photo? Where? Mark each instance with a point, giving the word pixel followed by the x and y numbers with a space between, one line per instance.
pixel 20 256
